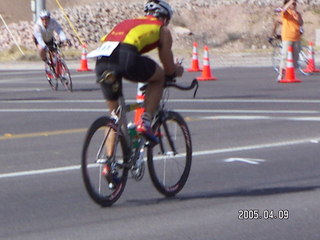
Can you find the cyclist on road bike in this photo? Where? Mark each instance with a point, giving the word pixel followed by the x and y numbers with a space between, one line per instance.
pixel 121 56
pixel 43 33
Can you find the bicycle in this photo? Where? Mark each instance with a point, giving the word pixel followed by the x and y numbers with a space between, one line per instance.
pixel 57 69
pixel 109 153
pixel 276 56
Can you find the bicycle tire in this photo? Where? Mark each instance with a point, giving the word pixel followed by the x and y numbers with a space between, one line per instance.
pixel 169 162
pixel 303 61
pixel 96 178
pixel 65 76
pixel 50 74
pixel 276 57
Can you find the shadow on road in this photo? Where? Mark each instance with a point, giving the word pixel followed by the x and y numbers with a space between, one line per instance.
pixel 235 193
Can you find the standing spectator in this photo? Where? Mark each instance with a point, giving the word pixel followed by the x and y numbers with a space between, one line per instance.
pixel 291 33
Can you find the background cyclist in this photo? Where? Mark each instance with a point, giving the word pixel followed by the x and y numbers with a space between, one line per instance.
pixel 126 43
pixel 276 27
pixel 43 33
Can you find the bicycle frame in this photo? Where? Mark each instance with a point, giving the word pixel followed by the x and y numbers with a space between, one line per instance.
pixel 55 59
pixel 120 117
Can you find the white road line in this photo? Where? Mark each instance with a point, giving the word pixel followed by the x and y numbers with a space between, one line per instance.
pixel 55 110
pixel 248 117
pixel 55 101
pixel 178 110
pixel 41 171
pixel 198 153
pixel 226 100
pixel 18 73
pixel 246 111
pixel 25 89
pixel 253 161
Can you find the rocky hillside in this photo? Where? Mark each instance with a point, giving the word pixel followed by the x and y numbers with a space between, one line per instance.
pixel 220 24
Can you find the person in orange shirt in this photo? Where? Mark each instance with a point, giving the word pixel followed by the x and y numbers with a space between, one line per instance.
pixel 290 33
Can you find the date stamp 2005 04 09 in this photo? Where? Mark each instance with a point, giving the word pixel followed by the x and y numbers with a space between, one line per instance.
pixel 255 214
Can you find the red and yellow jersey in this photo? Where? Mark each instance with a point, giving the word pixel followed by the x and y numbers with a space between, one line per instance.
pixel 290 27
pixel 142 32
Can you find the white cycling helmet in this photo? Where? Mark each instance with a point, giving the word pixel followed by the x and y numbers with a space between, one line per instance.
pixel 44 14
pixel 158 8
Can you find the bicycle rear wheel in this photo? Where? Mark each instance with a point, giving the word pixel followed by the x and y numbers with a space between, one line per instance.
pixel 303 60
pixel 65 76
pixel 104 176
pixel 276 57
pixel 169 162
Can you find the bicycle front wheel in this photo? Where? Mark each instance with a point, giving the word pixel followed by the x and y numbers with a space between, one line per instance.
pixel 103 162
pixel 169 162
pixel 303 60
pixel 50 74
pixel 65 76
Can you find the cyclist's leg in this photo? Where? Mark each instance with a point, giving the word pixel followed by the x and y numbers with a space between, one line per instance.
pixel 154 91
pixel 110 81
pixel 111 87
pixel 112 105
pixel 147 70
pixel 41 51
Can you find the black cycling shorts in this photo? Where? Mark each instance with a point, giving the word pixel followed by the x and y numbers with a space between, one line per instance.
pixel 49 44
pixel 126 62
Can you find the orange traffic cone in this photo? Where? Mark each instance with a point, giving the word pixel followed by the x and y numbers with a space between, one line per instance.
pixel 84 61
pixel 140 99
pixel 206 72
pixel 290 75
pixel 311 63
pixel 195 61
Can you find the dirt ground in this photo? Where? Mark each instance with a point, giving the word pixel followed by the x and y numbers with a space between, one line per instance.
pixel 12 13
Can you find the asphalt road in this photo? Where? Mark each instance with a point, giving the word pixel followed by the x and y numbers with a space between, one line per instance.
pixel 255 153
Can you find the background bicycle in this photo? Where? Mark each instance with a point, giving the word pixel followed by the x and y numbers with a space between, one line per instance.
pixel 276 56
pixel 112 148
pixel 57 69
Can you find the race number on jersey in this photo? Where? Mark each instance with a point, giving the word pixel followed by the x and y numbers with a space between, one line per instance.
pixel 106 49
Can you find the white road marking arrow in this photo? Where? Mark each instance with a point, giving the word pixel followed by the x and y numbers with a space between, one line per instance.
pixel 245 160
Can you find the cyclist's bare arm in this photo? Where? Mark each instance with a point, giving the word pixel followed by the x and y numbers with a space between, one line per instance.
pixel 295 13
pixel 287 5
pixel 166 55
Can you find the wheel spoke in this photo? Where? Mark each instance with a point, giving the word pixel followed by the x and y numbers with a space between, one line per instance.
pixel 104 176
pixel 169 162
